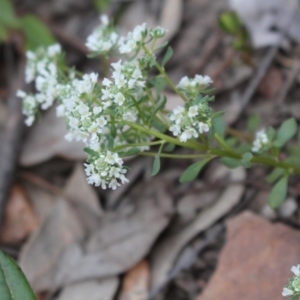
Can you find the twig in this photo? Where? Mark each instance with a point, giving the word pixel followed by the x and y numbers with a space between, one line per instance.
pixel 264 66
pixel 68 39
pixel 12 134
pixel 292 76
pixel 188 257
pixel 224 64
pixel 258 76
pixel 42 183
pixel 207 51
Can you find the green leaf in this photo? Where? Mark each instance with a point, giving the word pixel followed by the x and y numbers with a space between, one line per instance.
pixel 253 123
pixel 161 46
pixel 230 22
pixel 3 33
pixel 286 131
pixel 36 32
pixel 217 114
pixel 230 162
pixel 278 193
pixel 130 152
pixel 13 283
pixel 90 151
pixel 274 175
pixel 193 170
pixel 167 56
pixel 271 133
pixel 156 165
pixel 100 5
pixel 160 105
pixel 111 142
pixel 219 126
pixel 159 84
pixel 246 159
pixel 7 14
pixel 159 125
pixel 170 147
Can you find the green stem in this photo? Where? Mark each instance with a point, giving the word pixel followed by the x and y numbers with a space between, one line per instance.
pixel 139 110
pixel 137 145
pixel 223 144
pixel 164 137
pixel 184 156
pixel 167 78
pixel 161 114
pixel 259 160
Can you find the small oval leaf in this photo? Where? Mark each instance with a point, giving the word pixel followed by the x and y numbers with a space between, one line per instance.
pixel 167 56
pixel 286 131
pixel 193 170
pixel 230 162
pixel 278 192
pixel 156 165
pixel 13 283
pixel 36 32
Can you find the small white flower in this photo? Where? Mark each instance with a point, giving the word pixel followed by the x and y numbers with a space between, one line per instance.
pixel 114 184
pixel 203 80
pixel 101 121
pixel 193 111
pixel 60 110
pixel 184 82
pixel 21 94
pixel 203 127
pixel 287 292
pixel 188 134
pixel 29 121
pixel 129 116
pixel 97 110
pixel 106 82
pixel 94 179
pixel 296 270
pixel 54 50
pixel 261 139
pixel 119 99
pixel 176 130
pixel 104 20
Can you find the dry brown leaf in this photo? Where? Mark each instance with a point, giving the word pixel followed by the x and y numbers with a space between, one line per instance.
pixel 104 289
pixel 66 223
pixel 19 217
pixel 166 252
pixel 41 200
pixel 136 283
pixel 113 242
pixel 122 238
pixel 255 262
pixel 47 139
pixel 82 193
pixel 40 255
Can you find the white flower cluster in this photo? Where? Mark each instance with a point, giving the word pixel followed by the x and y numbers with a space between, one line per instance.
pixel 261 139
pixel 192 86
pixel 41 67
pixel 106 170
pixel 293 287
pixel 185 123
pixel 103 39
pixel 136 39
pixel 127 83
pixel 82 118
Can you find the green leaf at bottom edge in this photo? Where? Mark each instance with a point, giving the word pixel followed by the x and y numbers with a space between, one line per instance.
pixel 13 283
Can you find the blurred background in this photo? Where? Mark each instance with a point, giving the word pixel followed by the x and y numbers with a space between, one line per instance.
pixel 153 238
